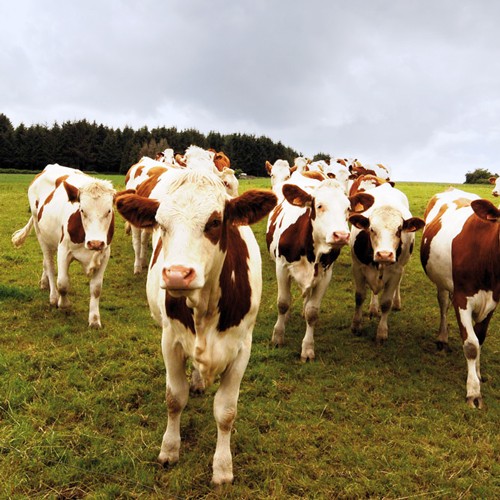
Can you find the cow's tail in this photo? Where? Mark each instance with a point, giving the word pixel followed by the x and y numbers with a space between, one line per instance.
pixel 128 229
pixel 19 237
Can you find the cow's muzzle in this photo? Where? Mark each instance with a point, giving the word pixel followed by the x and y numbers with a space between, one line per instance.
pixel 385 257
pixel 178 277
pixel 95 245
pixel 339 238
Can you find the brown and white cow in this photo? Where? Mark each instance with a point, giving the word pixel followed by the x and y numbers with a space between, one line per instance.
pixel 460 253
pixel 382 241
pixel 496 185
pixel 73 217
pixel 305 234
pixel 203 287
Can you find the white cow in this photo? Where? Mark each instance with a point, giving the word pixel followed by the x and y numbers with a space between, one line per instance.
pixel 73 217
pixel 204 286
pixel 381 245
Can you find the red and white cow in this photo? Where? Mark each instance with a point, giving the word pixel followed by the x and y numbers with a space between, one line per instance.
pixel 496 186
pixel 73 216
pixel 460 254
pixel 382 241
pixel 279 172
pixel 305 234
pixel 203 287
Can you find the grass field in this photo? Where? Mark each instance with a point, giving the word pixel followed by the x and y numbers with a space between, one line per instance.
pixel 82 411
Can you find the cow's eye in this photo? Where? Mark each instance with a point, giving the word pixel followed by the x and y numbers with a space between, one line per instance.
pixel 213 224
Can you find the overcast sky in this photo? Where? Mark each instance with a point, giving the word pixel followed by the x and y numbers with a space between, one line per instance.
pixel 412 84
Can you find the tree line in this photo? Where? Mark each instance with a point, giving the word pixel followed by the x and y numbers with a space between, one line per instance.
pixel 96 147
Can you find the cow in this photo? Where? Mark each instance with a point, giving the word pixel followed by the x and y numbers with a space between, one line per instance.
pixel 203 287
pixel 496 185
pixel 279 172
pixel 382 242
pixel 366 182
pixel 460 254
pixel 305 234
pixel 73 217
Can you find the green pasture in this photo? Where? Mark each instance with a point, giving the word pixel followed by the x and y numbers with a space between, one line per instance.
pixel 82 411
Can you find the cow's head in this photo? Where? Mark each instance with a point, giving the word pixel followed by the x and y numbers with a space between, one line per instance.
pixel 93 223
pixel 330 208
pixel 194 216
pixel 279 171
pixel 496 182
pixel 385 227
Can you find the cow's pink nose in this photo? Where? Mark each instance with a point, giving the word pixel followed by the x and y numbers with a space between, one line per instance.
pixel 341 237
pixel 496 193
pixel 384 257
pixel 178 277
pixel 95 245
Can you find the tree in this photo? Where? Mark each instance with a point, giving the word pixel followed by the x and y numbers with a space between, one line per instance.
pixel 479 176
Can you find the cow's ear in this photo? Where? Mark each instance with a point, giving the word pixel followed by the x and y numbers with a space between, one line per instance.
pixel 485 210
pixel 492 180
pixel 360 221
pixel 361 202
pixel 250 207
pixel 121 193
pixel 269 167
pixel 72 191
pixel 138 210
pixel 297 196
pixel 413 224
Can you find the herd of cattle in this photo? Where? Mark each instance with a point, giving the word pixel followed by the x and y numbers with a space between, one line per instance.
pixel 204 277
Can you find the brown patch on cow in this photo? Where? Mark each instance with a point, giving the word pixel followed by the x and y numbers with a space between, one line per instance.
pixel 235 299
pixel 213 227
pixel 61 179
pixel 462 202
pixel 62 234
pixel 327 259
pixel 46 202
pixel 138 172
pixel 376 181
pixel 75 228
pixel 363 248
pixel 221 161
pixel 146 187
pixel 177 308
pixel 156 253
pixel 470 350
pixel 111 229
pixel 312 174
pixel 430 230
pixel 475 266
pixel 296 241
pixel 272 224
pixel 173 405
pixel 156 171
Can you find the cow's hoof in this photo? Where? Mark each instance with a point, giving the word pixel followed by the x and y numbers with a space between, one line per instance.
pixel 475 402
pixel 137 270
pixel 95 324
pixel 443 346
pixel 166 460
pixel 307 356
pixel 278 340
pixel 379 341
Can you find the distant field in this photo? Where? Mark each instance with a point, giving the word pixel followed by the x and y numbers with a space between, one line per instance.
pixel 82 412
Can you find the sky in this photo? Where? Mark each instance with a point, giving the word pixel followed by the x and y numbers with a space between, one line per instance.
pixel 411 84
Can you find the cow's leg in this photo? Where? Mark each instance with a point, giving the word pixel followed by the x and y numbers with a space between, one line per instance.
pixel 396 300
pixel 374 308
pixel 63 261
pixel 311 314
pixel 386 306
pixel 137 245
pixel 284 302
pixel 472 350
pixel 48 279
pixel 95 291
pixel 359 298
pixel 144 248
pixel 177 393
pixel 225 407
pixel 443 297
